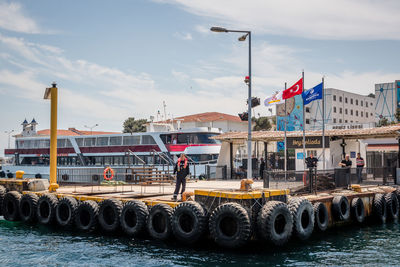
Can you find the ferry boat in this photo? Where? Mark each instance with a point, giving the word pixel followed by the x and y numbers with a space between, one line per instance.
pixel 99 149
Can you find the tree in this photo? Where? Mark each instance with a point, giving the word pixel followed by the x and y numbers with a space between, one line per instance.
pixel 261 123
pixel 383 122
pixel 132 126
pixel 397 115
pixel 371 95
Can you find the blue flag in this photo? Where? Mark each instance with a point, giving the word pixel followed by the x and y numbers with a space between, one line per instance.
pixel 312 94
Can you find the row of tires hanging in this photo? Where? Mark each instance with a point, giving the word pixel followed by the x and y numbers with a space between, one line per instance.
pixel 229 224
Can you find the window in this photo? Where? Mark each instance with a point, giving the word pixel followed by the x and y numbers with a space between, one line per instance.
pixel 340 120
pixel 345 111
pixel 334 120
pixel 340 99
pixel 91 141
pixel 362 102
pixel 345 100
pixel 366 114
pixel 60 142
pixel 351 112
pixel 102 141
pixel 371 104
pixel 362 113
pixel 334 98
pixel 345 121
pixel 79 141
pixel 307 121
pixel 131 140
pixel 148 140
pixel 351 121
pixel 356 112
pixel 366 104
pixel 356 102
pixel 340 110
pixel 351 101
pixel 115 140
pixel 334 109
pixel 307 109
pixel 371 114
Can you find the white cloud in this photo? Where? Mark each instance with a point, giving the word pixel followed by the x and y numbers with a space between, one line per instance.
pixel 183 36
pixel 12 18
pixel 319 19
pixel 202 29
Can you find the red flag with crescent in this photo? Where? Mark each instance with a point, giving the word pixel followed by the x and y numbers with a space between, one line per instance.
pixel 296 89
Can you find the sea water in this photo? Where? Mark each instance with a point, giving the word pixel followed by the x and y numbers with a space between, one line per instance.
pixel 36 245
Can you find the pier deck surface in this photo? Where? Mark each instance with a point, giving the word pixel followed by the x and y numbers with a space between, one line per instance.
pixel 163 192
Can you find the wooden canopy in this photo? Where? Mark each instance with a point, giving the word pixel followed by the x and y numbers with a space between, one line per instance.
pixel 392 131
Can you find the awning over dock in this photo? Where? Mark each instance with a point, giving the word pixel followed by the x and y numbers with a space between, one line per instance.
pixel 392 131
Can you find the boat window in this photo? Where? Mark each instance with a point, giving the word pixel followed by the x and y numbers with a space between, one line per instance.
pixel 148 140
pixel 60 142
pixel 68 143
pixel 44 143
pixel 102 141
pixel 79 141
pixel 115 140
pixel 131 140
pixel 90 141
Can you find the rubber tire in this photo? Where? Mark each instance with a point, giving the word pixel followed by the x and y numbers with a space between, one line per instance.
pixel 159 221
pixel 357 210
pixel 340 208
pixel 66 211
pixel 242 222
pixel 321 216
pixel 195 216
pixel 268 219
pixel 46 208
pixel 86 215
pixel 298 208
pixel 109 214
pixel 10 206
pixel 28 207
pixel 379 208
pixel 3 192
pixel 392 204
pixel 133 217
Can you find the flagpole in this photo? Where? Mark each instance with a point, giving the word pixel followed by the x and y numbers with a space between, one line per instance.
pixel 285 143
pixel 304 128
pixel 323 123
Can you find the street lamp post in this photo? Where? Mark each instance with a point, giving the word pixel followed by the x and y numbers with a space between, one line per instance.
pixel 243 38
pixel 9 133
pixel 91 128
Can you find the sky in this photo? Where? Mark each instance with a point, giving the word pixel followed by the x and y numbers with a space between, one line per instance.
pixel 117 59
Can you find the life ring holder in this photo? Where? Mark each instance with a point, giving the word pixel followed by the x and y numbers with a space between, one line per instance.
pixel 108 174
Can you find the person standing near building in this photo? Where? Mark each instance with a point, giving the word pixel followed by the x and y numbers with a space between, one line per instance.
pixel 181 170
pixel 262 168
pixel 346 162
pixel 360 165
pixel 311 164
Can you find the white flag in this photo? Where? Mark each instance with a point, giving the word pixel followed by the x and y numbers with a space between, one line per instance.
pixel 274 99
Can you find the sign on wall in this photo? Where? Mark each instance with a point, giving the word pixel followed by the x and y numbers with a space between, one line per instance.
pixel 311 142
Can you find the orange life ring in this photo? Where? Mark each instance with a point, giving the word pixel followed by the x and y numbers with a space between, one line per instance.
pixel 108 174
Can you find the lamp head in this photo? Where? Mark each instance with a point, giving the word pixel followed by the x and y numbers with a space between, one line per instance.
pixel 243 37
pixel 218 29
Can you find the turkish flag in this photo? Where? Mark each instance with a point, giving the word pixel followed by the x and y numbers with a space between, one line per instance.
pixel 296 89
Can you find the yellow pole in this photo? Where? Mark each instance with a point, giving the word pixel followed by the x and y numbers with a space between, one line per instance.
pixel 53 139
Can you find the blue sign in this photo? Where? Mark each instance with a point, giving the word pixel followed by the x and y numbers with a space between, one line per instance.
pixel 281 146
pixel 300 155
pixel 352 154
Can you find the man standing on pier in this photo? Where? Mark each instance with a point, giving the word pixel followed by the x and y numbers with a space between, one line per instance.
pixel 360 165
pixel 181 170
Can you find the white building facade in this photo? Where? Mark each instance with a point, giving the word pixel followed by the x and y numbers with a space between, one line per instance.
pixel 343 110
